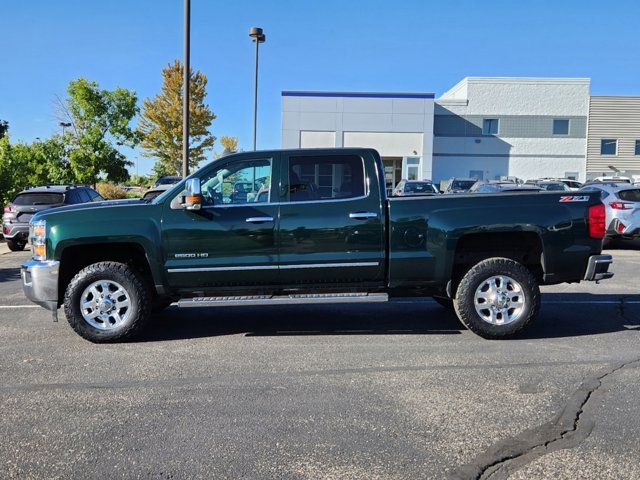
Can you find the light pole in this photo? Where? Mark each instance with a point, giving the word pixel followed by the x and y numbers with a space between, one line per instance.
pixel 185 98
pixel 64 125
pixel 258 38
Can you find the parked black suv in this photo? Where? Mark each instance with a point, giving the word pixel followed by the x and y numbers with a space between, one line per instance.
pixel 15 220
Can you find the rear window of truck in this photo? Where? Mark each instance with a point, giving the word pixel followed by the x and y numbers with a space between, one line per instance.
pixel 38 199
pixel 630 195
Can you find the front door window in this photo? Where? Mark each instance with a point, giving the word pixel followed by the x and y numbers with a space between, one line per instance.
pixel 240 183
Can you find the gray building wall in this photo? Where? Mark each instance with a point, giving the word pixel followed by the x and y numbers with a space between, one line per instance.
pixel 520 126
pixel 613 117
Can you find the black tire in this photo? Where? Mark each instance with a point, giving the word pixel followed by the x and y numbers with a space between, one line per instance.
pixel 464 302
pixel 136 288
pixel 445 302
pixel 15 245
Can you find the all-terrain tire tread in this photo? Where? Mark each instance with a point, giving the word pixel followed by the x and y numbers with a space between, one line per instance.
pixel 466 311
pixel 141 290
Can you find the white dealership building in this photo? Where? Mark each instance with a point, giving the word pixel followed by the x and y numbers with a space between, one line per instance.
pixel 482 127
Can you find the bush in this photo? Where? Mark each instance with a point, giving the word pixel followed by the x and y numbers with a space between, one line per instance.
pixel 109 191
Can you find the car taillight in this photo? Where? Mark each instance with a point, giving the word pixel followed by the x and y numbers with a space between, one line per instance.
pixel 621 205
pixel 597 216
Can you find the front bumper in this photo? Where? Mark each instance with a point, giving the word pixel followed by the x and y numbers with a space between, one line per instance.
pixel 40 282
pixel 598 268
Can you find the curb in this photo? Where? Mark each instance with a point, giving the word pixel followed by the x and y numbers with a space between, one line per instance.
pixel 4 248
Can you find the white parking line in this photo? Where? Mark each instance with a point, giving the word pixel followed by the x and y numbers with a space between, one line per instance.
pixel 549 302
pixel 19 306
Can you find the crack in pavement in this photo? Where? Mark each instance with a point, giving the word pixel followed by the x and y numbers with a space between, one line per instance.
pixel 572 426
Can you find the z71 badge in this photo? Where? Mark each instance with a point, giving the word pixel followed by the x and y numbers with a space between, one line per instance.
pixel 574 198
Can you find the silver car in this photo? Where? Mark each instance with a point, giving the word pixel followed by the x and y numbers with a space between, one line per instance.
pixel 622 205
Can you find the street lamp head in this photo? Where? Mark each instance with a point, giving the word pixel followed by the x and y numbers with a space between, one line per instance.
pixel 257 35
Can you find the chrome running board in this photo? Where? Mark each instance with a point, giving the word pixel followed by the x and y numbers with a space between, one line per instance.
pixel 293 299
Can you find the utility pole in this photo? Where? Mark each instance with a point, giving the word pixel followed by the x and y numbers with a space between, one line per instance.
pixel 258 38
pixel 185 90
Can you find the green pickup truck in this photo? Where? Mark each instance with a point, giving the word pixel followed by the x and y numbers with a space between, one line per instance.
pixel 308 227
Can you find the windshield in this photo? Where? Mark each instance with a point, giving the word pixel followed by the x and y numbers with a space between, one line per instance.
pixel 462 184
pixel 554 187
pixel 38 199
pixel 420 187
pixel 167 180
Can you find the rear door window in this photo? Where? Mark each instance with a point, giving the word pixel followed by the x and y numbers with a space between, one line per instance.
pixel 84 195
pixel 629 195
pixel 38 199
pixel 325 177
pixel 72 197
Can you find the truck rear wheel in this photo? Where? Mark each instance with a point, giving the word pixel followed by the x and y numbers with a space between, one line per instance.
pixel 107 302
pixel 497 298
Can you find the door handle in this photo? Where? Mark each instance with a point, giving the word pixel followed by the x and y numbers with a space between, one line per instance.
pixel 259 219
pixel 362 215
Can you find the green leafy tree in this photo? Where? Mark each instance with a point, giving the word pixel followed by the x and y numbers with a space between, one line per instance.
pixel 100 125
pixel 160 123
pixel 4 128
pixel 38 163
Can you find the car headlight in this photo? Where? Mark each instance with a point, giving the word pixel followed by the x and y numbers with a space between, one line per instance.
pixel 38 238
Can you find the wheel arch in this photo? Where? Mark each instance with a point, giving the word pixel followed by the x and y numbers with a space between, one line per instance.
pixel 74 258
pixel 525 247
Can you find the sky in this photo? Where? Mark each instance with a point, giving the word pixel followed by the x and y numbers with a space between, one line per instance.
pixel 411 45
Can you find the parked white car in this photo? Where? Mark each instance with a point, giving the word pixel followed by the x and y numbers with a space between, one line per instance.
pixel 622 207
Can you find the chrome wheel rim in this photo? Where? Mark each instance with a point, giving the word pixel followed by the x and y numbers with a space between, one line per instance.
pixel 499 300
pixel 105 304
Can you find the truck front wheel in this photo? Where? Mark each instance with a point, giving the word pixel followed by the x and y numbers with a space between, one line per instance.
pixel 107 302
pixel 497 298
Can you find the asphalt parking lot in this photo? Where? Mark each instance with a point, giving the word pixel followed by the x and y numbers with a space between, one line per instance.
pixel 335 392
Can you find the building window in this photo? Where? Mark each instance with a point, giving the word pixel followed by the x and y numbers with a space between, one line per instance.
pixel 608 146
pixel 560 126
pixel 490 126
pixel 637 147
pixel 413 165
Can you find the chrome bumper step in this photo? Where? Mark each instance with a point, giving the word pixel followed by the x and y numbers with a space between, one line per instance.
pixel 293 299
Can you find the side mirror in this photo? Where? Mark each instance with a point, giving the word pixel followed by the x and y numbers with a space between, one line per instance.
pixel 193 197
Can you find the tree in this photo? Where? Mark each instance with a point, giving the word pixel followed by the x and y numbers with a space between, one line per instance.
pixel 230 144
pixel 100 124
pixel 4 127
pixel 38 163
pixel 160 124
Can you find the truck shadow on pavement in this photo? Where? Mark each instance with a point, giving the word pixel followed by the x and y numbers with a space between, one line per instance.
pixel 562 315
pixel 9 274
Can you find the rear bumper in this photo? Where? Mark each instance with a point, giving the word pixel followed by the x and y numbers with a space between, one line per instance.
pixel 598 268
pixel 17 231
pixel 40 283
pixel 624 227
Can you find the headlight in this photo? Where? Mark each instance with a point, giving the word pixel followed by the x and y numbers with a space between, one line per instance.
pixel 38 238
